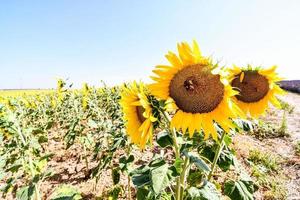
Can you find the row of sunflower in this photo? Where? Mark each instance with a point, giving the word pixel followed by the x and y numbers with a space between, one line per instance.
pixel 87 117
pixel 196 97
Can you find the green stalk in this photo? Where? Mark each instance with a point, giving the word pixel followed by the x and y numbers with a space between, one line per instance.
pixel 22 137
pixel 176 146
pixel 217 155
pixel 173 134
pixel 177 155
pixel 183 176
pixel 37 189
pixel 128 177
pixel 176 150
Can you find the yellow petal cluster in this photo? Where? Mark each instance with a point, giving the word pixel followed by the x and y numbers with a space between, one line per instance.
pixel 137 112
pixel 185 121
pixel 256 109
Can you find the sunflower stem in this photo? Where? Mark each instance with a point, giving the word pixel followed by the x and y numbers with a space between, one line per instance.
pixel 176 150
pixel 173 135
pixel 176 146
pixel 177 155
pixel 183 177
pixel 128 177
pixel 217 155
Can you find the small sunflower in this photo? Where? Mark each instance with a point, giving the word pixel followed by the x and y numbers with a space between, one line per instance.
pixel 137 114
pixel 257 88
pixel 85 95
pixel 197 90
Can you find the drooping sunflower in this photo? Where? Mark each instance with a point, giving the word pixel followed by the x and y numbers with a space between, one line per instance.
pixel 138 114
pixel 257 88
pixel 197 90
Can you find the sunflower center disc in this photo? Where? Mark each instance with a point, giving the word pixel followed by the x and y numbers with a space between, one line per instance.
pixel 253 87
pixel 140 110
pixel 195 90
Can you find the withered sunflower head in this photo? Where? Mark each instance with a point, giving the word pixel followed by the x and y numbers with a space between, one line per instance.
pixel 196 90
pixel 252 87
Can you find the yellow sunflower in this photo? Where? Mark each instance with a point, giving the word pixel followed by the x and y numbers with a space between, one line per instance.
pixel 137 114
pixel 257 88
pixel 85 96
pixel 197 90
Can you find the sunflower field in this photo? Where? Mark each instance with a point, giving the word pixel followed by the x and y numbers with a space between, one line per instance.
pixel 197 131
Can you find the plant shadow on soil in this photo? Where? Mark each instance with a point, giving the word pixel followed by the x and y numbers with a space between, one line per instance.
pixel 284 147
pixel 69 169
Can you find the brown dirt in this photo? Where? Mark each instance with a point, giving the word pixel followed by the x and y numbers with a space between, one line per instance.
pixel 282 146
pixel 70 169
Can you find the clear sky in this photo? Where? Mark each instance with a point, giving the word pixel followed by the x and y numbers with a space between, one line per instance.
pixel 118 40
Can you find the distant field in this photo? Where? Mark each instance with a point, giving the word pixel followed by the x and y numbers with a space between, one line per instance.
pixel 289 85
pixel 15 93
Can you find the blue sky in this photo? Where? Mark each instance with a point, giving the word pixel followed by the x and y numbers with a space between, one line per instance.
pixel 116 41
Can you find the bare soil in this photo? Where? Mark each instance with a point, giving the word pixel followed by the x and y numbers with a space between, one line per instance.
pixel 69 167
pixel 281 146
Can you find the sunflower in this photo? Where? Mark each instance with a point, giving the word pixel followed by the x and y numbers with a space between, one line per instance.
pixel 257 88
pixel 85 96
pixel 137 114
pixel 197 90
